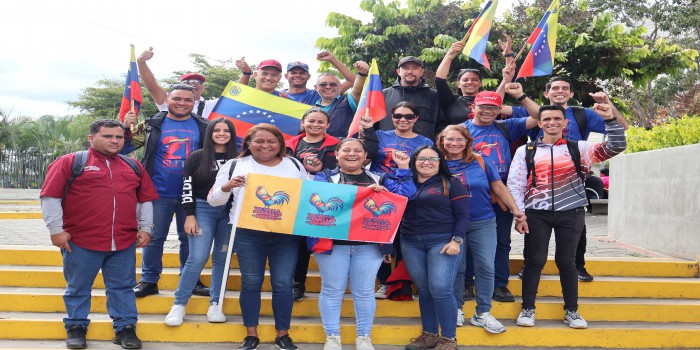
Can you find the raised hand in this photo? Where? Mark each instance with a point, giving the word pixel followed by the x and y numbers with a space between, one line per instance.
pixel 242 65
pixel 146 55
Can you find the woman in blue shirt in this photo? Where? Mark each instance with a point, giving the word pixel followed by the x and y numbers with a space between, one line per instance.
pixel 480 178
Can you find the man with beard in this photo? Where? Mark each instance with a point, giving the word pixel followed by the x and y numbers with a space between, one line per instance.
pixel 170 137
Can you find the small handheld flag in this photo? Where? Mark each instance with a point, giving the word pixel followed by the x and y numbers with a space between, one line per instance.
pixel 540 60
pixel 132 98
pixel 371 101
pixel 475 47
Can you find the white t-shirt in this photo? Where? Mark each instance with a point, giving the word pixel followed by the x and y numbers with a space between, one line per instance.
pixel 208 106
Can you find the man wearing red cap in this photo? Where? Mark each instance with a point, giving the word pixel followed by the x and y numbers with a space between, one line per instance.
pixel 492 140
pixel 201 106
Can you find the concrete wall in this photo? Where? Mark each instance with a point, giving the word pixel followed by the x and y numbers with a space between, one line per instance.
pixel 655 200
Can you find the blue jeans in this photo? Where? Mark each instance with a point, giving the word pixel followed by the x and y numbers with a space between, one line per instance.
pixel 253 250
pixel 214 229
pixel 504 223
pixel 80 267
pixel 434 275
pixel 481 241
pixel 163 211
pixel 360 263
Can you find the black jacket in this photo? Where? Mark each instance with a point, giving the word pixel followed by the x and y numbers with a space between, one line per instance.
pixel 152 130
pixel 422 96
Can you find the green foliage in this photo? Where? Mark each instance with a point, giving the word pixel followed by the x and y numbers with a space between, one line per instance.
pixel 104 100
pixel 678 132
pixel 218 75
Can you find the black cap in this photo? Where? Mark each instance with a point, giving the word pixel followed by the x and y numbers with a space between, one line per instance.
pixel 411 59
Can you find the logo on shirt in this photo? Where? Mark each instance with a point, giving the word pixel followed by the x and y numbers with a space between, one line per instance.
pixel 485 148
pixel 91 168
pixel 173 146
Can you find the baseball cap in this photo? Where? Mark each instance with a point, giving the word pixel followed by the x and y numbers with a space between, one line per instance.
pixel 488 98
pixel 411 59
pixel 190 75
pixel 270 63
pixel 298 64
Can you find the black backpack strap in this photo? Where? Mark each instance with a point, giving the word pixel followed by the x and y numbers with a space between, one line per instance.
pixel 296 162
pixel 530 149
pixel 200 107
pixel 79 162
pixel 576 158
pixel 580 117
pixel 504 129
pixel 233 166
pixel 132 164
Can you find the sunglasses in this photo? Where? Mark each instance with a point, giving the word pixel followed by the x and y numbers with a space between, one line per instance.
pixel 192 82
pixel 430 159
pixel 398 116
pixel 328 84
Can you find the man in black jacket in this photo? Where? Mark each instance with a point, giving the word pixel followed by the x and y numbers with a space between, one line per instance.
pixel 410 86
pixel 169 137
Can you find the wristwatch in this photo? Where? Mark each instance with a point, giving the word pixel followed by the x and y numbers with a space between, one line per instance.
pixel 458 239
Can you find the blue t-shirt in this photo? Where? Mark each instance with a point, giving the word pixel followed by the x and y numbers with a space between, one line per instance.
pixel 491 144
pixel 594 123
pixel 342 111
pixel 309 96
pixel 478 184
pixel 383 162
pixel 177 140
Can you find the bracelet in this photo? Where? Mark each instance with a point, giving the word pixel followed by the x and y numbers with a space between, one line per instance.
pixel 509 55
pixel 614 118
pixel 363 74
pixel 247 73
pixel 524 96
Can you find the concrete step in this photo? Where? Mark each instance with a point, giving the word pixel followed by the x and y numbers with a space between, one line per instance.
pixel 548 308
pixel 597 266
pixel 602 287
pixel 386 331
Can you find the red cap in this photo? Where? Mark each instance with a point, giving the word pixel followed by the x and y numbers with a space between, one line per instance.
pixel 190 75
pixel 488 98
pixel 270 63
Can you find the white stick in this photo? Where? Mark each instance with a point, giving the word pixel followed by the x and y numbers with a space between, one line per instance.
pixel 227 265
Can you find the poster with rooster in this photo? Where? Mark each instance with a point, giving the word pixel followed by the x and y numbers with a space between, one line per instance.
pixel 319 209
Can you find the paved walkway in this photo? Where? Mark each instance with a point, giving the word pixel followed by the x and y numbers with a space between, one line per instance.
pixel 34 232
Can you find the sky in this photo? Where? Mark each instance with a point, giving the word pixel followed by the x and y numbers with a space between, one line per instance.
pixel 52 50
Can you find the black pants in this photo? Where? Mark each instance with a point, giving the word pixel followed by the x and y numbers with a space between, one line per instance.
pixel 385 268
pixel 580 250
pixel 302 262
pixel 567 226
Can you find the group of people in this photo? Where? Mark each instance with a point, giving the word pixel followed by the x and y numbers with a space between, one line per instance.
pixel 449 154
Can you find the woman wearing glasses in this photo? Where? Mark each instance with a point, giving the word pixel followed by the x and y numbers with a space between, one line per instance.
pixel 403 139
pixel 433 228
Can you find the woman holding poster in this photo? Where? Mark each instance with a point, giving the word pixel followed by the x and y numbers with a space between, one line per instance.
pixel 263 152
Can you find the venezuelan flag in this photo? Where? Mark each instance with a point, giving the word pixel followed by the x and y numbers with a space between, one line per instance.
pixel 540 59
pixel 318 209
pixel 371 100
pixel 132 97
pixel 480 30
pixel 246 106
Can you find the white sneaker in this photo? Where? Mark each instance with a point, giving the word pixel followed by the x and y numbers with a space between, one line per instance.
pixel 363 343
pixel 574 320
pixel 215 314
pixel 332 343
pixel 488 322
pixel 460 318
pixel 176 316
pixel 381 291
pixel 526 318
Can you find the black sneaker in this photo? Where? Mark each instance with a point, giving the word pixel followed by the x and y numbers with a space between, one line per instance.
pixel 502 294
pixel 584 276
pixel 469 292
pixel 200 289
pixel 76 337
pixel 143 289
pixel 298 291
pixel 285 343
pixel 250 343
pixel 520 274
pixel 127 338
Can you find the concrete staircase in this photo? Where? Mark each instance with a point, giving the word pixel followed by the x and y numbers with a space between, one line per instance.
pixel 633 303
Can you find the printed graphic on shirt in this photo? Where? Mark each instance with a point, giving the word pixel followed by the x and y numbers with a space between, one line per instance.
pixel 178 140
pixel 383 162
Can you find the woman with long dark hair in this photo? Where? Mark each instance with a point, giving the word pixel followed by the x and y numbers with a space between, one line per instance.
pixel 432 230
pixel 205 224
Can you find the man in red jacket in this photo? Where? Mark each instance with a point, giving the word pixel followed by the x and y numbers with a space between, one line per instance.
pixel 98 220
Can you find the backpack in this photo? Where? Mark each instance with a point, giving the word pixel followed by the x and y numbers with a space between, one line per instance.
pixel 579 116
pixel 573 151
pixel 81 158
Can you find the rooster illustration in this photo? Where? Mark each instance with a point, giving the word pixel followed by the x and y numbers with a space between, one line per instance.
pixel 377 211
pixel 278 198
pixel 333 204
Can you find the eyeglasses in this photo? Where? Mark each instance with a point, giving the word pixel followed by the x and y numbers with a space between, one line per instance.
pixel 192 82
pixel 489 108
pixel 430 159
pixel 452 139
pixel 328 84
pixel 398 116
